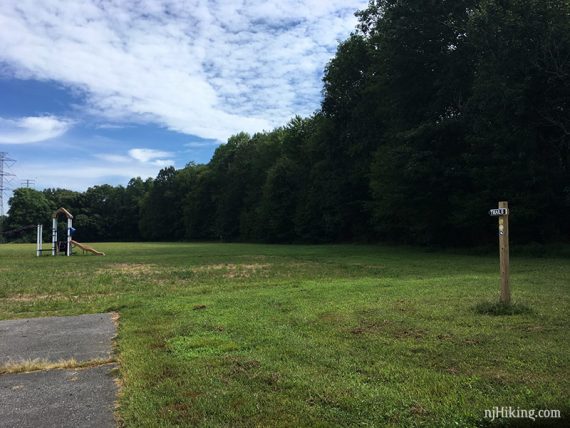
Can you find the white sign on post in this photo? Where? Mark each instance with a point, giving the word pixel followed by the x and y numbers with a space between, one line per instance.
pixel 498 212
pixel 503 213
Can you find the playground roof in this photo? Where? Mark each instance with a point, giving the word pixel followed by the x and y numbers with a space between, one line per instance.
pixel 62 211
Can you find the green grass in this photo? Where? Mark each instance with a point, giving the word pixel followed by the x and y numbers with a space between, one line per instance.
pixel 500 308
pixel 260 335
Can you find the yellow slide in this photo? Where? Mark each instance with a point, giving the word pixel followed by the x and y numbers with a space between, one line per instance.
pixel 86 248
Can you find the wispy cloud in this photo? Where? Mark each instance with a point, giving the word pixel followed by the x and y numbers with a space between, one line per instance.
pixel 32 129
pixel 143 156
pixel 85 173
pixel 82 172
pixel 155 157
pixel 207 68
pixel 112 158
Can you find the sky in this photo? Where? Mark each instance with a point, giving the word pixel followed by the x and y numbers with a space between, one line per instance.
pixel 100 91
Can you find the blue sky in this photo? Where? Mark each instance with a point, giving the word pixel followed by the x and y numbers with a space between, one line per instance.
pixel 99 91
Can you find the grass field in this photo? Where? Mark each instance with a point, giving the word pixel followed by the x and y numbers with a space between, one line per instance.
pixel 260 335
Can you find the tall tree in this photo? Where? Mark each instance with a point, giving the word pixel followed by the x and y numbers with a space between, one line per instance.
pixel 28 207
pixel 422 77
pixel 520 113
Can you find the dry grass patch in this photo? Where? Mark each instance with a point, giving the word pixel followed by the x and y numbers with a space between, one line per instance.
pixel 25 298
pixel 115 316
pixel 25 366
pixel 134 269
pixel 28 297
pixel 230 270
pixel 59 297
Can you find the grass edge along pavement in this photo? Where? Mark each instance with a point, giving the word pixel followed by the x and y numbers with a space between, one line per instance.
pixel 243 334
pixel 37 364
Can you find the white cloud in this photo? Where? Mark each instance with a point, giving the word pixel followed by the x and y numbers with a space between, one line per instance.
pixel 32 129
pixel 142 156
pixel 207 68
pixel 148 155
pixel 163 162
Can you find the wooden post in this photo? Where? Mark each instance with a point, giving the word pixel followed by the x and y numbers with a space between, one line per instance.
pixel 504 253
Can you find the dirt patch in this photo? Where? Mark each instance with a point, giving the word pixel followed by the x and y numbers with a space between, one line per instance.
pixel 272 379
pixel 409 333
pixel 417 409
pixel 445 337
pixel 471 341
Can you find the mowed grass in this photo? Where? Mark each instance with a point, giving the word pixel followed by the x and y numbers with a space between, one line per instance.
pixel 260 335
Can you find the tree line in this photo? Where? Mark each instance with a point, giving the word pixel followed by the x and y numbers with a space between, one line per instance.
pixel 432 111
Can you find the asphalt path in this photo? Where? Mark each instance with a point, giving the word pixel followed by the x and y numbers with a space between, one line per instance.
pixel 83 337
pixel 58 398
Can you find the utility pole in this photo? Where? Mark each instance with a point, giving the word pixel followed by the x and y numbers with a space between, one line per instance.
pixel 28 181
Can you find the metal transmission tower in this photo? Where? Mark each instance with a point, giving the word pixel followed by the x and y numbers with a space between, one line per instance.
pixel 28 182
pixel 5 178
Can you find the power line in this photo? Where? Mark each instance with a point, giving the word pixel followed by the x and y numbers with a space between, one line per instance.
pixel 6 178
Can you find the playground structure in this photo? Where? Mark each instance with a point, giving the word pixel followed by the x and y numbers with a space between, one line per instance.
pixel 61 246
pixel 86 248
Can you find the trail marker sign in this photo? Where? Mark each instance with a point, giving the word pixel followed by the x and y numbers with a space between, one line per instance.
pixel 503 213
pixel 498 211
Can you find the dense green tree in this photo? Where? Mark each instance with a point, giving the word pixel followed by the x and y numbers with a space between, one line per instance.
pixel 28 207
pixel 65 198
pixel 98 205
pixel 279 201
pixel 238 171
pixel 161 209
pixel 519 114
pixel 423 78
pixel 127 209
pixel 3 224
pixel 229 180
pixel 199 208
